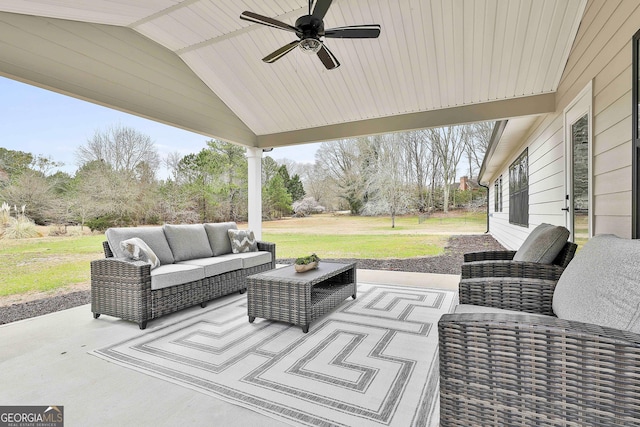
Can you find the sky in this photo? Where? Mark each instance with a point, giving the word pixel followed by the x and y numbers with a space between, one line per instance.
pixel 46 123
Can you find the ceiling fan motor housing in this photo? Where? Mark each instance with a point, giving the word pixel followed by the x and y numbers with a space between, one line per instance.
pixel 311 27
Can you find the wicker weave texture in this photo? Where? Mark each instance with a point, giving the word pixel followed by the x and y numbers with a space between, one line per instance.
pixel 121 289
pixel 510 293
pixel 489 256
pixel 502 268
pixel 520 370
pixel 298 301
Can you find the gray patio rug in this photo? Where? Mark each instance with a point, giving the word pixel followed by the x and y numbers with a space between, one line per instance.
pixel 372 361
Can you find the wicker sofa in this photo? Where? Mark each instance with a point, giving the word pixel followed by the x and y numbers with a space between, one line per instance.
pixel 573 360
pixel 197 264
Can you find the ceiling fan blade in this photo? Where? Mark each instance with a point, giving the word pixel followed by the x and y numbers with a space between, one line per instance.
pixel 354 32
pixel 265 20
pixel 321 8
pixel 277 54
pixel 327 58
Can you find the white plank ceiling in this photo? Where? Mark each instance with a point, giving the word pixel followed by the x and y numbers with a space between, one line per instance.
pixel 431 54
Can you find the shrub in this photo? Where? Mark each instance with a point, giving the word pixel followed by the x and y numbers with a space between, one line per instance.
pixel 20 228
pixel 101 223
pixel 307 206
pixel 5 214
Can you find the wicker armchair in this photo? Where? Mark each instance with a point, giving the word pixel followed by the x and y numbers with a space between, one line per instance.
pixel 493 279
pixel 518 369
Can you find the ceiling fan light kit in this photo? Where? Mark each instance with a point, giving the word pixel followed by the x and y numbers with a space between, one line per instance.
pixel 310 46
pixel 309 28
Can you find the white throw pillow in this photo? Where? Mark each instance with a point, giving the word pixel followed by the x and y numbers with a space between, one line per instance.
pixel 136 249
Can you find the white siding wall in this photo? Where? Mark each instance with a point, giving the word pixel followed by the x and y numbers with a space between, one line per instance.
pixel 602 54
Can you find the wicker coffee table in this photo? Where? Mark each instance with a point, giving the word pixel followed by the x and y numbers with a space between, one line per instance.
pixel 299 298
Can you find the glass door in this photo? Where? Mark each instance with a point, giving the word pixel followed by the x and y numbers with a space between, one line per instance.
pixel 578 167
pixel 579 192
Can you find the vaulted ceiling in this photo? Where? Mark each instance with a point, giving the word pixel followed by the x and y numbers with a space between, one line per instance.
pixel 194 64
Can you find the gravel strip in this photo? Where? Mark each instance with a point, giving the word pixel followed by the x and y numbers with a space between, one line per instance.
pixel 448 263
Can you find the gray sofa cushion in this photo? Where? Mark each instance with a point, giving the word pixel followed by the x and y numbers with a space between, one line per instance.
pixel 601 285
pixel 188 241
pixel 166 276
pixel 252 259
pixel 543 244
pixel 217 265
pixel 219 237
pixel 153 236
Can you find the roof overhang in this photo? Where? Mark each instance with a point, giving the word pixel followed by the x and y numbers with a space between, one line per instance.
pixel 195 65
pixel 506 138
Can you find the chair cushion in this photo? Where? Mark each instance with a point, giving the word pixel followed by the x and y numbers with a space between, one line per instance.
pixel 242 241
pixel 137 250
pixel 188 241
pixel 217 265
pixel 253 259
pixel 153 236
pixel 601 284
pixel 219 238
pixel 470 308
pixel 175 274
pixel 543 244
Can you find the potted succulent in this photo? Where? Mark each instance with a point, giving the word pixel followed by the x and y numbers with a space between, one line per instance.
pixel 307 263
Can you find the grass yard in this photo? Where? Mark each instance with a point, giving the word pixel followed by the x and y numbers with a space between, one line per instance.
pixel 37 267
pixel 47 263
pixel 290 245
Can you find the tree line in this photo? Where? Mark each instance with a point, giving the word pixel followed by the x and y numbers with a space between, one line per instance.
pixel 117 183
pixel 397 173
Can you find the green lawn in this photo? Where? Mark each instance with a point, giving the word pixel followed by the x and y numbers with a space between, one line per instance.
pixel 44 264
pixel 50 263
pixel 289 245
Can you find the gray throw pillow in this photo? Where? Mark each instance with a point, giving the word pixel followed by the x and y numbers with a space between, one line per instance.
pixel 188 241
pixel 600 284
pixel 219 237
pixel 242 241
pixel 543 244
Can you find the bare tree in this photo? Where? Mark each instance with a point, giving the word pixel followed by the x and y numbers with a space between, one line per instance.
pixel 387 183
pixel 448 145
pixel 418 158
pixel 33 190
pixel 318 185
pixel 172 163
pixel 477 143
pixel 341 162
pixel 122 148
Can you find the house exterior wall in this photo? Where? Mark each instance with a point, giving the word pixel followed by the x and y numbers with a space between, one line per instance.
pixel 601 56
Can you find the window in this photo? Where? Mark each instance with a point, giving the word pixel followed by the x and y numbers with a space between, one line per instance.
pixel 497 193
pixel 635 154
pixel 519 190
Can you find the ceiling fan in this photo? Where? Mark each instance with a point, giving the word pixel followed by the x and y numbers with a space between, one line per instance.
pixel 309 29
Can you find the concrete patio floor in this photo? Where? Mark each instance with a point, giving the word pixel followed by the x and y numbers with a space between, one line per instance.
pixel 44 361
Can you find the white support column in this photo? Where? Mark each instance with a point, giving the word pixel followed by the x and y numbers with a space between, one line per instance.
pixel 254 160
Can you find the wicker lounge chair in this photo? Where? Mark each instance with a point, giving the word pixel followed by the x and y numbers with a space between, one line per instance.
pixel 495 279
pixel 581 368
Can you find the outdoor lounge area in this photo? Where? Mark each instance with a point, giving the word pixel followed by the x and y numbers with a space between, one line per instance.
pixel 450 346
pixel 556 345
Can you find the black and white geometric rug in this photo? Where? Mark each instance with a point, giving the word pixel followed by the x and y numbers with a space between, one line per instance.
pixel 372 361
